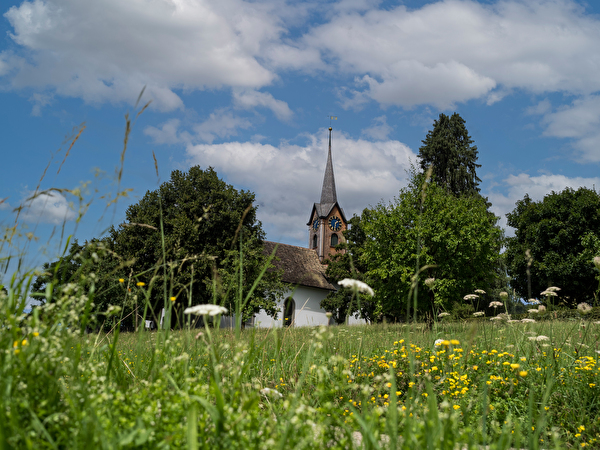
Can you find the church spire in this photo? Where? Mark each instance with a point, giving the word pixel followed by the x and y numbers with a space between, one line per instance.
pixel 328 193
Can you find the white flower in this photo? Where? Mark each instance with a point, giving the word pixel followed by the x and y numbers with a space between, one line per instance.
pixel 596 262
pixel 553 289
pixel 496 304
pixel 549 293
pixel 527 320
pixel 205 310
pixel 541 308
pixel 479 314
pixel 503 294
pixel 584 307
pixel 542 338
pixel 271 392
pixel 358 285
pixel 470 297
pixel 429 282
pixel 479 291
pixel 532 311
pixel 443 314
pixel 533 301
pixel 438 342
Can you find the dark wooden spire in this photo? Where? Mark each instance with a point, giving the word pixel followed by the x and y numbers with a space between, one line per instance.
pixel 328 193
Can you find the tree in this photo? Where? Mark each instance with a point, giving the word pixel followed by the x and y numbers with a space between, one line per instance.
pixel 341 303
pixel 558 232
pixel 181 236
pixel 448 148
pixel 455 238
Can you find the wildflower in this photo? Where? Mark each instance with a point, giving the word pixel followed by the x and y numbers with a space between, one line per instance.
pixel 455 342
pixel 456 407
pixel 479 291
pixel 542 338
pixel 549 293
pixel 503 294
pixel 532 311
pixel 553 289
pixel 523 373
pixel 584 307
pixel 527 320
pixel 358 285
pixel 533 301
pixel 495 304
pixel 581 428
pixel 443 314
pixel 205 310
pixel 140 283
pixel 596 262
pixel 36 334
pixel 515 366
pixel 271 392
pixel 121 280
pixel 541 308
pixel 172 299
pixel 430 282
pixel 438 342
pixel 479 314
pixel 471 297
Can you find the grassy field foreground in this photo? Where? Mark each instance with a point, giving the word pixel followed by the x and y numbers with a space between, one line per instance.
pixel 511 385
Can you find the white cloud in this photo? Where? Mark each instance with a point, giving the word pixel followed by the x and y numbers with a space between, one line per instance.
pixel 579 121
pixel 220 124
pixel 51 207
pixel 380 130
pixel 452 51
pixel 287 179
pixel 248 99
pixel 107 50
pixel 166 134
pixel 516 186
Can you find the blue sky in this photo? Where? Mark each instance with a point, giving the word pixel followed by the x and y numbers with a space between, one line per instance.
pixel 248 88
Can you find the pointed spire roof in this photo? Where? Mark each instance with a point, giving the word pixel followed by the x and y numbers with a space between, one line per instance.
pixel 328 193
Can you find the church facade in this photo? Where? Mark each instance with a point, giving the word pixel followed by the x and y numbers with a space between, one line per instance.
pixel 304 268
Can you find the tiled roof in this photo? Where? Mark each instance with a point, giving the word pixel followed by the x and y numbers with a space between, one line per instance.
pixel 300 265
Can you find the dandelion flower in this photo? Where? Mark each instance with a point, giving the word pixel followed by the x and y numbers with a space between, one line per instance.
pixel 455 342
pixel 358 285
pixel 523 373
pixel 515 366
pixel 205 310
pixel 173 299
pixel 121 280
pixel 140 283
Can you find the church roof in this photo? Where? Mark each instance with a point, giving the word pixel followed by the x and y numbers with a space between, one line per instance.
pixel 301 266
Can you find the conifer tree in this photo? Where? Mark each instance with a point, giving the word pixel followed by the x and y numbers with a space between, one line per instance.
pixel 448 147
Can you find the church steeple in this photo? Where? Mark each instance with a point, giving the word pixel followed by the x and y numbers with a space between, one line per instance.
pixel 327 219
pixel 328 193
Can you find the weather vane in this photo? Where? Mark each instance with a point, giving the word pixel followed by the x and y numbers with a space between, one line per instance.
pixel 330 119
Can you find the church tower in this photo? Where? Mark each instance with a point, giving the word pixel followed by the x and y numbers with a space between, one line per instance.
pixel 327 220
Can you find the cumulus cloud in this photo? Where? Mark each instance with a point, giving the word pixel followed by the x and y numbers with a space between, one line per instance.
pixel 380 129
pixel 287 179
pixel 249 99
pixel 108 50
pixel 51 207
pixel 516 186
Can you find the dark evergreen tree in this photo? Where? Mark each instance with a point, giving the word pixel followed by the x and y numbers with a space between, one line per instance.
pixel 448 148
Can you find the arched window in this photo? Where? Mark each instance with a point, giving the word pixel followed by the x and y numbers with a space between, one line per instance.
pixel 315 241
pixel 334 240
pixel 289 306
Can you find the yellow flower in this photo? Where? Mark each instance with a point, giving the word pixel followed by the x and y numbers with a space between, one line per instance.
pixel 121 280
pixel 24 342
pixel 36 334
pixel 515 366
pixel 455 342
pixel 140 283
pixel 523 373
pixel 581 428
pixel 172 299
pixel 456 407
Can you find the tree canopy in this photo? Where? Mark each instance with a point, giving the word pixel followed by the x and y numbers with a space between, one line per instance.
pixel 455 237
pixel 448 149
pixel 559 233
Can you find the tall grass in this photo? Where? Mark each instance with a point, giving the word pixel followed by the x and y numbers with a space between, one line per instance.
pixel 482 385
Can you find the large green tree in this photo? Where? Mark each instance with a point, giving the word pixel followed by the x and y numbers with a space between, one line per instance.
pixel 348 264
pixel 181 236
pixel 449 150
pixel 559 232
pixel 456 238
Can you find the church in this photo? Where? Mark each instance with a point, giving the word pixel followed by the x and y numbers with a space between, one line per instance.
pixel 304 267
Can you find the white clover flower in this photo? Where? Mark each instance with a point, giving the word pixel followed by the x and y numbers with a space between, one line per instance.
pixel 495 304
pixel 271 392
pixel 429 282
pixel 527 320
pixel 443 314
pixel 358 285
pixel 205 310
pixel 479 314
pixel 479 291
pixel 470 297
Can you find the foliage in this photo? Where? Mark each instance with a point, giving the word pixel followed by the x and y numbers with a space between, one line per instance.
pixel 180 235
pixel 449 151
pixel 342 303
pixel 455 239
pixel 561 233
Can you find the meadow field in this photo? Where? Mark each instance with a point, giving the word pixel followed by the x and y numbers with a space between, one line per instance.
pixel 471 384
